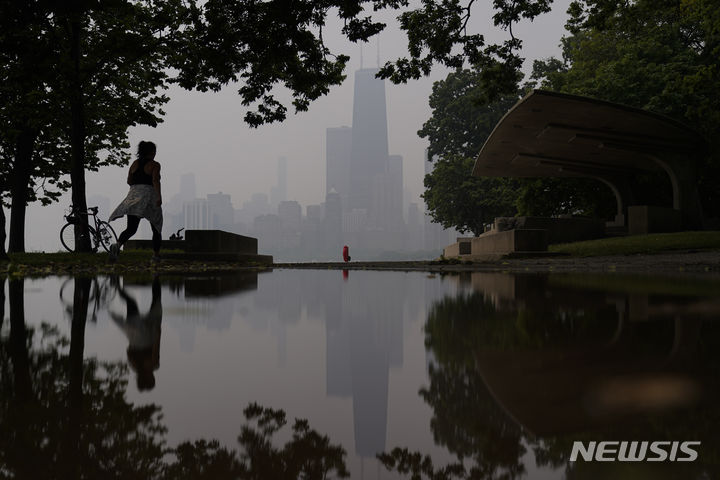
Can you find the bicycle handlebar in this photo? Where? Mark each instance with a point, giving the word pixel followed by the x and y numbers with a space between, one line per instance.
pixel 89 211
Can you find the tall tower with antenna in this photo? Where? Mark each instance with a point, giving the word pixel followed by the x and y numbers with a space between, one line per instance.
pixel 369 150
pixel 378 51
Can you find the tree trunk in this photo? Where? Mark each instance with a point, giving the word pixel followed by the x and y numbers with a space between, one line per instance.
pixel 81 300
pixel 18 341
pixel 3 252
pixel 77 138
pixel 19 184
pixel 73 448
pixel 2 302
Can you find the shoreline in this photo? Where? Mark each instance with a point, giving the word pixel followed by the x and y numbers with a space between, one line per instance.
pixel 703 262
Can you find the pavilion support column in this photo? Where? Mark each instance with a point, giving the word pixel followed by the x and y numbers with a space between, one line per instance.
pixel 682 171
pixel 624 197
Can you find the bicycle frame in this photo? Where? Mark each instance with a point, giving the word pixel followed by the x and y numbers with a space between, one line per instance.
pixel 90 212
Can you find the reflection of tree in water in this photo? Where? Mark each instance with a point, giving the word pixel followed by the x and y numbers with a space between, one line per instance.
pixel 62 416
pixel 306 455
pixel 489 444
pixel 467 419
pixel 69 420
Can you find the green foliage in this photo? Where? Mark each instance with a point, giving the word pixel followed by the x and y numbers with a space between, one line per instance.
pixel 660 56
pixel 27 64
pixel 437 33
pixel 276 43
pixel 462 120
pixel 456 199
pixel 565 196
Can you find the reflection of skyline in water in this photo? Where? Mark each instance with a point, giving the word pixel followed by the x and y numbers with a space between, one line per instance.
pixel 363 323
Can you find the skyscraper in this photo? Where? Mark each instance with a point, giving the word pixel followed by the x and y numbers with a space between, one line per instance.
pixel 222 212
pixel 395 194
pixel 338 144
pixel 332 223
pixel 278 193
pixel 187 187
pixel 369 151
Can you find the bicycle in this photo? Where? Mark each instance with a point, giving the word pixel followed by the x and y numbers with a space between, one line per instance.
pixel 101 233
pixel 102 292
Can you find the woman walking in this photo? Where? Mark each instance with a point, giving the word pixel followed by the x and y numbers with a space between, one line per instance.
pixel 144 200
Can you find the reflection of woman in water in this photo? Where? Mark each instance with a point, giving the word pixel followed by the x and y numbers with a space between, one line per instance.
pixel 143 333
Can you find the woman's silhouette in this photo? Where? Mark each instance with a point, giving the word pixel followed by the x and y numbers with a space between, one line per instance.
pixel 144 200
pixel 143 333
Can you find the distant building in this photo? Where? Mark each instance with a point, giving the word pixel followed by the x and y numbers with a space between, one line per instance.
pixel 338 145
pixel 333 222
pixel 197 215
pixel 267 229
pixel 290 214
pixel 187 187
pixel 223 214
pixel 355 220
pixel 415 228
pixel 256 206
pixel 395 192
pixel 314 214
pixel 278 193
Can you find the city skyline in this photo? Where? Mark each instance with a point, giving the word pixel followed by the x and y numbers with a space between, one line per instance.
pixel 203 133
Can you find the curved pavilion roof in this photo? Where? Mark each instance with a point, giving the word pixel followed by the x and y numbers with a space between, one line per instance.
pixel 548 134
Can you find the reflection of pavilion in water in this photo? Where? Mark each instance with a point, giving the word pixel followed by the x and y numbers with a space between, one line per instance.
pixel 642 357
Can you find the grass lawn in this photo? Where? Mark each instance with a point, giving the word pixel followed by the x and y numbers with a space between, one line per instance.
pixel 641 244
pixel 43 258
pixel 130 261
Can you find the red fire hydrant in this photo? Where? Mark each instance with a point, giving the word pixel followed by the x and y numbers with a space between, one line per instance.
pixel 346 253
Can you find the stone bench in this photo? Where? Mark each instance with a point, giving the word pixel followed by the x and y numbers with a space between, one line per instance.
pixel 219 241
pixel 216 245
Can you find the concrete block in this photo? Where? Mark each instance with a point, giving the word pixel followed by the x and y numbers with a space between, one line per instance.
pixel 463 246
pixel 509 241
pixel 644 219
pixel 218 241
pixel 560 229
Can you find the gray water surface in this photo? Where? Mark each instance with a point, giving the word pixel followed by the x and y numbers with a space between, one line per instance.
pixel 136 377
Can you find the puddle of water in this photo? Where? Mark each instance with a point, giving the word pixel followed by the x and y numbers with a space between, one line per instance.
pixel 498 372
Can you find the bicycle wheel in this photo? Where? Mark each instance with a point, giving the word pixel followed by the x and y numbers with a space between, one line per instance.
pixel 67 237
pixel 106 235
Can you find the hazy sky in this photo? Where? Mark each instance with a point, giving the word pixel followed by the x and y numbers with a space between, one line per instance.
pixel 204 133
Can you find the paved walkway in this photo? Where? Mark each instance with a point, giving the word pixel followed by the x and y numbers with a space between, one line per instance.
pixel 704 262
